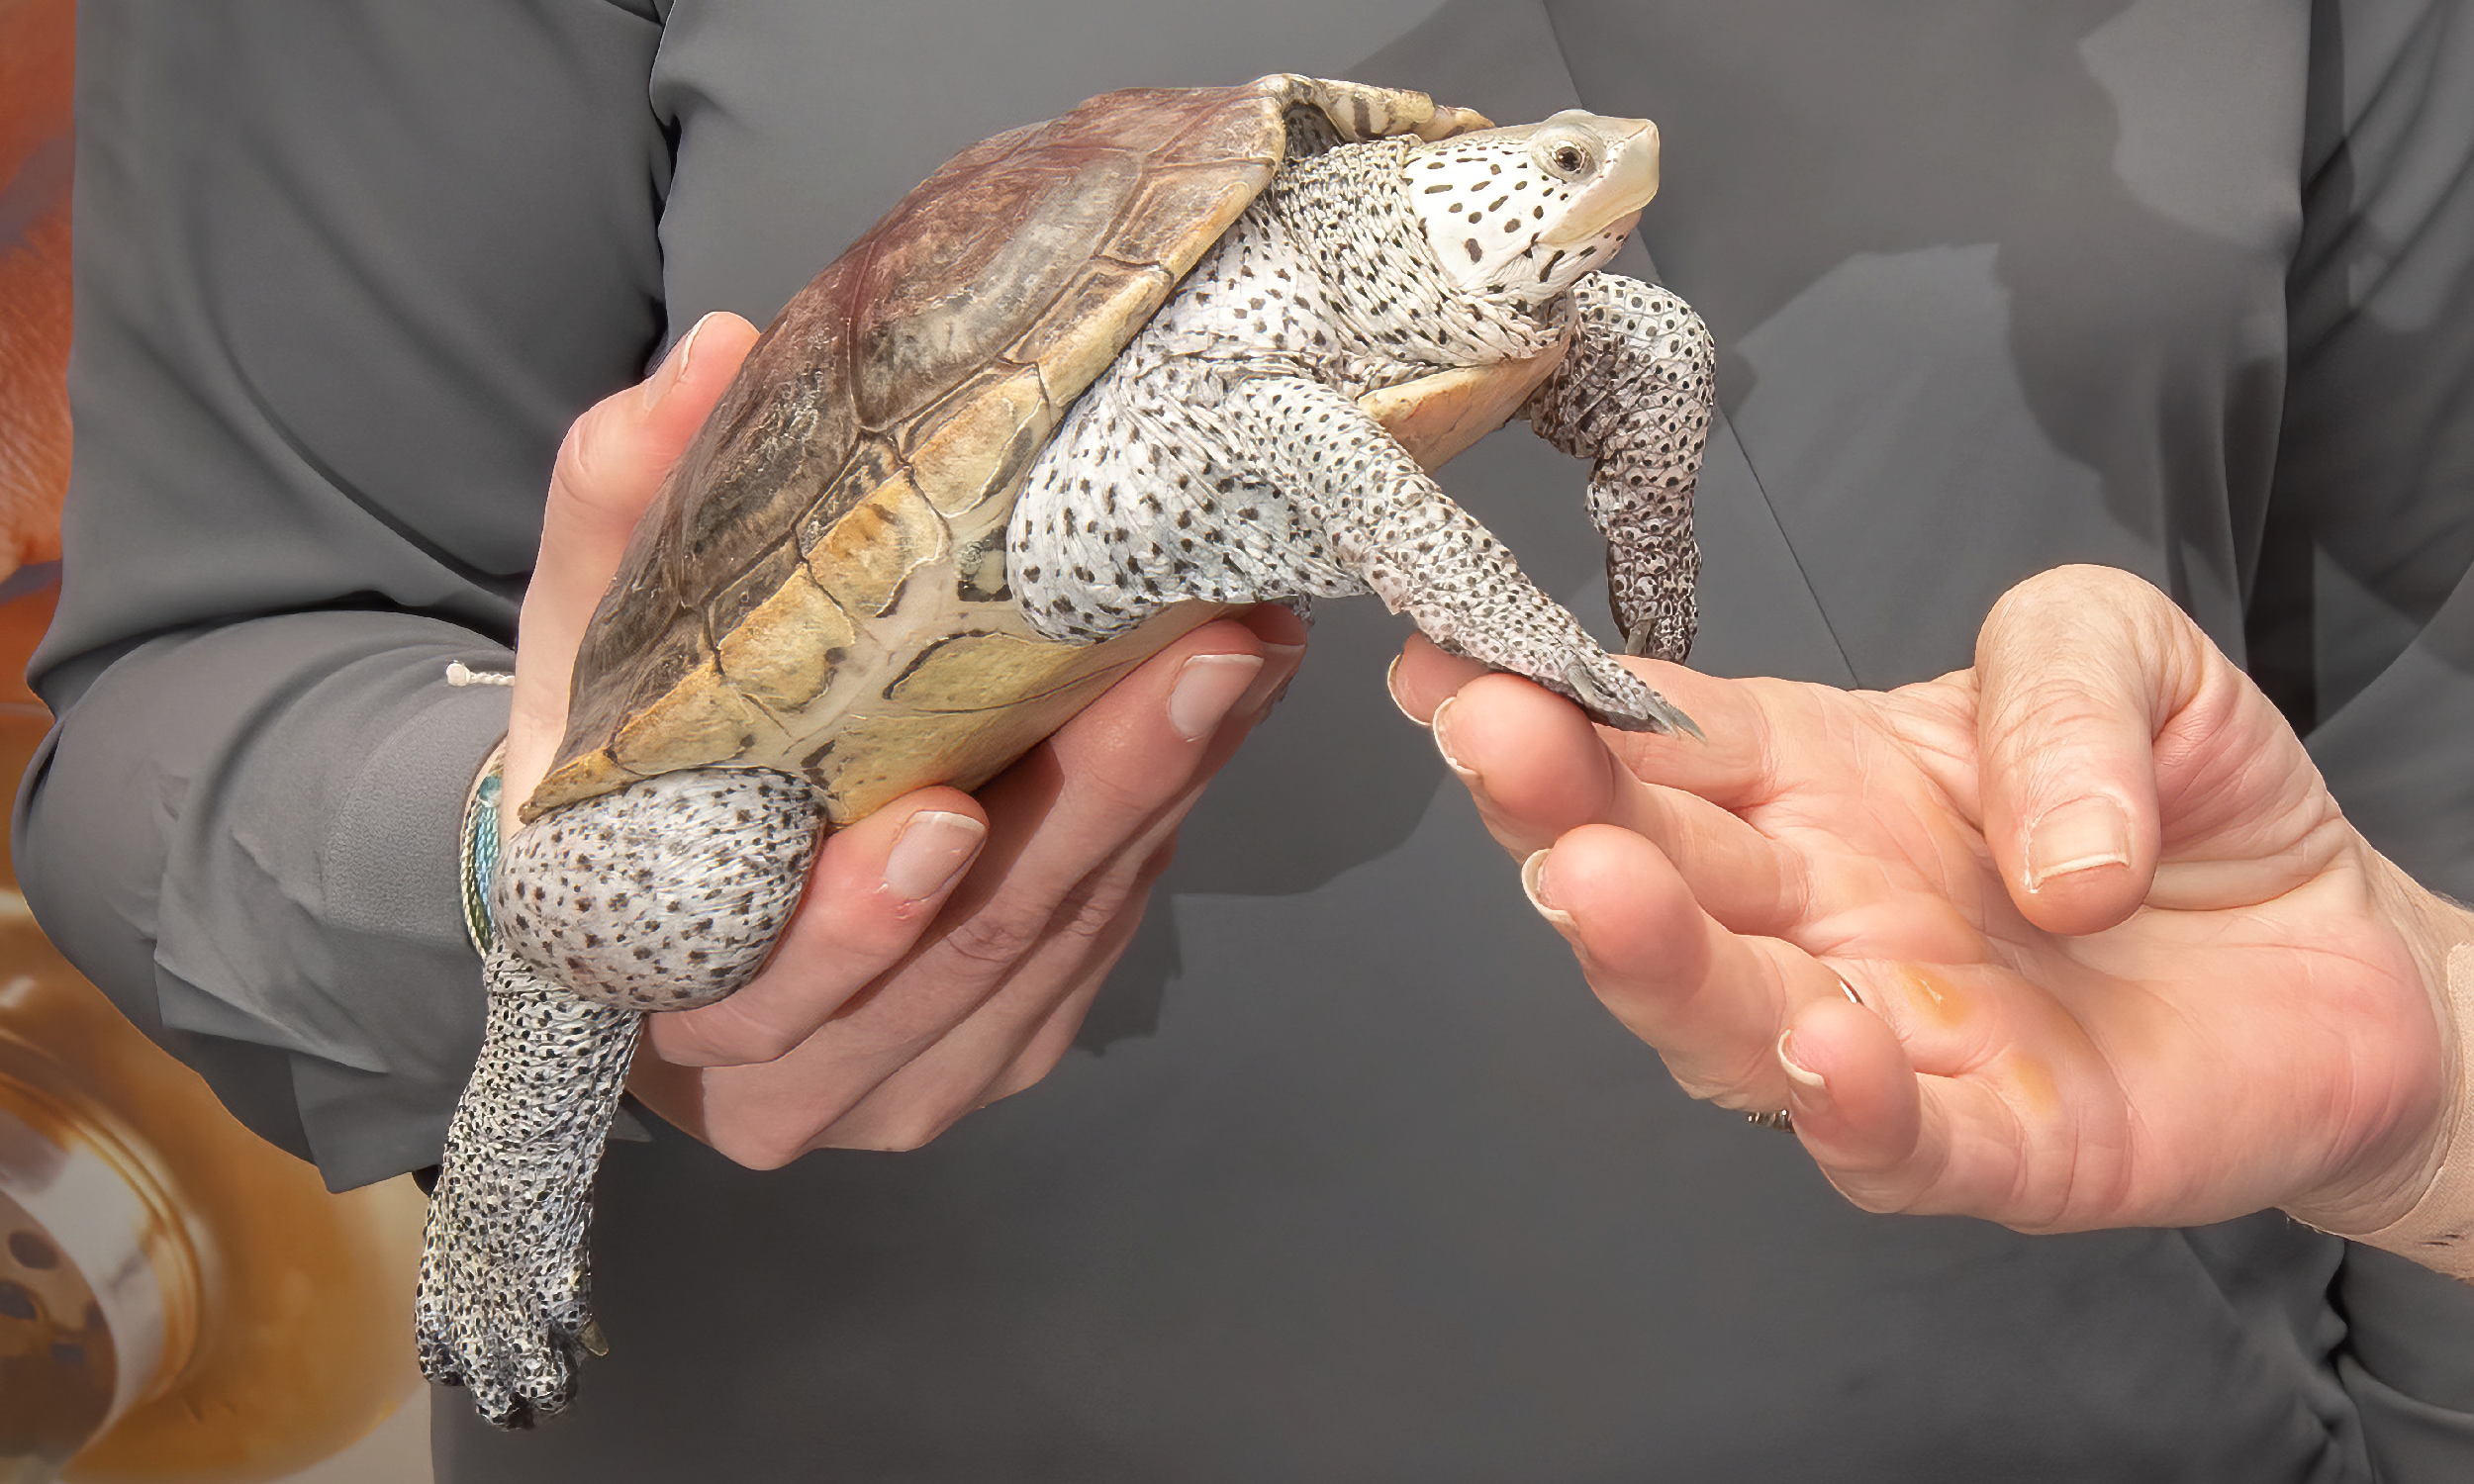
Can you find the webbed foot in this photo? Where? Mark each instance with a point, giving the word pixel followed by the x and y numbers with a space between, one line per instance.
pixel 505 1296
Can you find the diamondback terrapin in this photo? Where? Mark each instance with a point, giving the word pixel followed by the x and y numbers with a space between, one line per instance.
pixel 1092 383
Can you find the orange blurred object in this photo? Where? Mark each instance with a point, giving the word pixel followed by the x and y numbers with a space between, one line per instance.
pixel 178 1300
pixel 163 1274
pixel 37 40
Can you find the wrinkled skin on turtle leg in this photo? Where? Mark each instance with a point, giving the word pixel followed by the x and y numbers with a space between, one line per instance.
pixel 1390 524
pixel 1633 396
pixel 666 894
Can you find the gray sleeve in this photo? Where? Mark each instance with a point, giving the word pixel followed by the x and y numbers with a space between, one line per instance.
pixel 2362 622
pixel 346 271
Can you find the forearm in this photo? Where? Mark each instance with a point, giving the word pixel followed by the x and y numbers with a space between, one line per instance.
pixel 249 833
pixel 344 273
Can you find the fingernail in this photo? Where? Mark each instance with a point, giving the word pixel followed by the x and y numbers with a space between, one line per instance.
pixel 1280 667
pixel 931 850
pixel 2081 835
pixel 1533 884
pixel 1814 1090
pixel 1207 688
pixel 1391 687
pixel 673 366
pixel 1441 726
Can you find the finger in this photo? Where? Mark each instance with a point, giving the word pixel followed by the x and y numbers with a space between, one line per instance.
pixel 916 1053
pixel 873 889
pixel 1422 677
pixel 2076 669
pixel 2034 1136
pixel 1080 796
pixel 1041 1039
pixel 986 940
pixel 1531 761
pixel 610 467
pixel 1114 780
pixel 1055 822
pixel 1009 1043
pixel 1539 770
pixel 1733 764
pixel 1714 1003
pixel 923 1044
pixel 1053 1038
pixel 1857 1106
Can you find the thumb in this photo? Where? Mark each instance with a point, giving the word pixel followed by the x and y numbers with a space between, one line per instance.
pixel 2076 669
pixel 609 468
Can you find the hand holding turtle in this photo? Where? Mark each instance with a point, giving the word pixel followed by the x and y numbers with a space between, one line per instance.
pixel 2119 957
pixel 902 994
pixel 968 484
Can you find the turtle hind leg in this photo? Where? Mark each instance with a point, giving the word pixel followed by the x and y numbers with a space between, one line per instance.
pixel 504 1299
pixel 1389 524
pixel 666 894
pixel 1634 397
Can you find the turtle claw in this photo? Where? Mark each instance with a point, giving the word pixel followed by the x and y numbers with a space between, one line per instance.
pixel 1615 696
pixel 503 1324
pixel 504 1303
pixel 516 1364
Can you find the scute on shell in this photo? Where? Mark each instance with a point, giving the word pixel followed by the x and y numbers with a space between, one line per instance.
pixel 812 589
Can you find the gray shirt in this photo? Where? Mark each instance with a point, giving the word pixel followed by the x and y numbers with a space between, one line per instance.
pixel 1349 1177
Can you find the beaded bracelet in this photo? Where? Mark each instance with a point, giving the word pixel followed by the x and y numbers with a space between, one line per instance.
pixel 477 849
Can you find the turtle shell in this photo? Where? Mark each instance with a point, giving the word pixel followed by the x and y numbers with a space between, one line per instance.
pixel 820 587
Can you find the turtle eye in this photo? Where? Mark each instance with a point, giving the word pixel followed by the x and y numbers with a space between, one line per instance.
pixel 1564 155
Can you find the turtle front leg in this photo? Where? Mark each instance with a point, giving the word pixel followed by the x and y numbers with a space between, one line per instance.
pixel 1633 396
pixel 666 894
pixel 1388 523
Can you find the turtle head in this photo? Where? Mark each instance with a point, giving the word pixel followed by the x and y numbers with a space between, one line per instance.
pixel 1521 213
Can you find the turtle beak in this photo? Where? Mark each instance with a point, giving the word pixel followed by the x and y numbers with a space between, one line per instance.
pixel 1624 184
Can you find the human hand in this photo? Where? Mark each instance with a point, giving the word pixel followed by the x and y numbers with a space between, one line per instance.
pixel 2120 958
pixel 948 947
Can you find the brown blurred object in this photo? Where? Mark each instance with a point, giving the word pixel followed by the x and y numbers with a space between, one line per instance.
pixel 166 1279
pixel 159 1265
pixel 38 41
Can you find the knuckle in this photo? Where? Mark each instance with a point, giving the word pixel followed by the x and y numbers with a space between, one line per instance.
pixel 722 1034
pixel 1029 1070
pixel 911 1134
pixel 1122 789
pixel 998 936
pixel 1880 1196
pixel 1156 864
pixel 899 1133
pixel 590 480
pixel 755 1147
pixel 575 472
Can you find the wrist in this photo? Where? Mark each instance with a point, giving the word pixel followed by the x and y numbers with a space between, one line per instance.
pixel 2416 1199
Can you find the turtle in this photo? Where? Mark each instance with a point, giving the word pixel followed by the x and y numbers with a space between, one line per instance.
pixel 1093 383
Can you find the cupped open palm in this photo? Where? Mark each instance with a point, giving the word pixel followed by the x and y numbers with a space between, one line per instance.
pixel 2119 957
